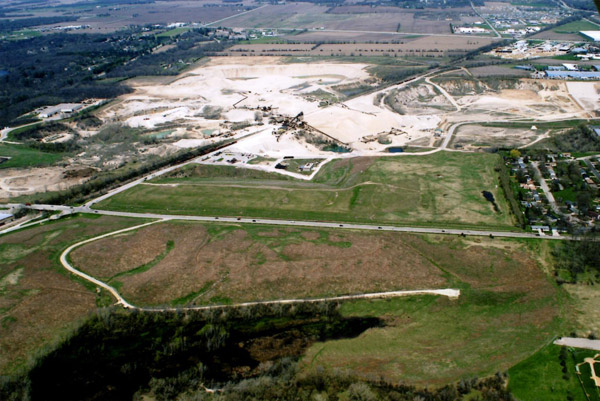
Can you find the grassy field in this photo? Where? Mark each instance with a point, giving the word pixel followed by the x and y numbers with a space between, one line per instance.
pixel 576 27
pixel 508 307
pixel 553 381
pixel 38 299
pixel 504 314
pixel 22 156
pixel 443 189
pixel 173 32
pixel 178 263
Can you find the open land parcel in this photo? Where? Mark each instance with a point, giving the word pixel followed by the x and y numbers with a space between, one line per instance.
pixel 347 118
pixel 505 294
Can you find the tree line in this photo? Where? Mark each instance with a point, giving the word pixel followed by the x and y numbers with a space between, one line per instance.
pixel 62 67
pixel 179 355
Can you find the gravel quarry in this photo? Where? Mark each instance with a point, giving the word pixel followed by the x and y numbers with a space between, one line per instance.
pixel 276 110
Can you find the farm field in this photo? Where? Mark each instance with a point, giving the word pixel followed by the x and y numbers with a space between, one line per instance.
pixel 350 17
pixel 106 18
pixel 38 300
pixel 438 189
pixel 504 293
pixel 576 27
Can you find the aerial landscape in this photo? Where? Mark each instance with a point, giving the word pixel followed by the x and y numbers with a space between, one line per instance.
pixel 300 200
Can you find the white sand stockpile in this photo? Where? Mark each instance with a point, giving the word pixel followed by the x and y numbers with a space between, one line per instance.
pixel 586 94
pixel 264 85
pixel 266 144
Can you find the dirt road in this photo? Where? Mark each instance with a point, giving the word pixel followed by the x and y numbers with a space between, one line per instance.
pixel 64 260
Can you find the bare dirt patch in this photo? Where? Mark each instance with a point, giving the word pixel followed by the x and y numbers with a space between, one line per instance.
pixel 477 136
pixel 16 182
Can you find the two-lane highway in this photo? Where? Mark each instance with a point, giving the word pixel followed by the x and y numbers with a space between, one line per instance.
pixel 295 223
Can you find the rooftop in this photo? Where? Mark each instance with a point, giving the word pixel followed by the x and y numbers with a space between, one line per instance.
pixel 594 35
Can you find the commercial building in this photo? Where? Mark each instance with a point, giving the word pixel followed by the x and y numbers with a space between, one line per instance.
pixel 593 35
pixel 65 108
pixel 584 75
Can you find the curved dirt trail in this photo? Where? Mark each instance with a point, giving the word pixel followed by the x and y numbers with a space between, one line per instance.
pixel 448 292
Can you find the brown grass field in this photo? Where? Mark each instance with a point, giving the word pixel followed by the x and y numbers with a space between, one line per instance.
pixel 225 261
pixel 249 263
pixel 507 310
pixel 38 300
pixel 508 307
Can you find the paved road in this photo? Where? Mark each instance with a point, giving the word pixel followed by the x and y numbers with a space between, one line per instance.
pixel 544 186
pixel 486 21
pixel 579 343
pixel 588 162
pixel 65 262
pixel 446 94
pixel 296 223
pixel 447 292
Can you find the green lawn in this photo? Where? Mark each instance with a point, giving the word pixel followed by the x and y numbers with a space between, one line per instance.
pixel 24 157
pixel 541 377
pixel 440 189
pixel 567 194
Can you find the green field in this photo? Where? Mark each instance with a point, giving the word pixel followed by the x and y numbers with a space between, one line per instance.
pixel 440 189
pixel 542 377
pixel 508 308
pixel 428 340
pixel 576 27
pixel 22 34
pixel 539 125
pixel 23 157
pixel 173 32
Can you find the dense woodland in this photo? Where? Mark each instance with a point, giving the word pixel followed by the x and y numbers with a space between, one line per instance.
pixel 581 4
pixel 578 139
pixel 62 67
pixel 578 261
